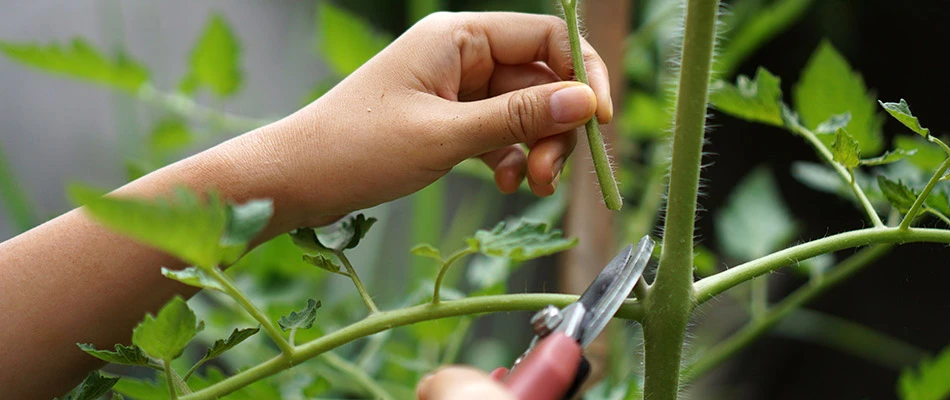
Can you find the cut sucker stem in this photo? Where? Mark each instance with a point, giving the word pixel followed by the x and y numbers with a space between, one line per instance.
pixel 605 175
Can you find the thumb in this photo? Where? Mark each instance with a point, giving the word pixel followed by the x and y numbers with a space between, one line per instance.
pixel 461 383
pixel 523 116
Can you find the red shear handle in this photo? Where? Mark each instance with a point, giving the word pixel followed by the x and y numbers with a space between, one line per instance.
pixel 548 371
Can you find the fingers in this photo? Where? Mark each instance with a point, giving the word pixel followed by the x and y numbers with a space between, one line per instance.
pixel 461 383
pixel 522 116
pixel 515 38
pixel 546 161
pixel 510 165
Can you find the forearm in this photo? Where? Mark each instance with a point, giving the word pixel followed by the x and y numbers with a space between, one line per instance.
pixel 71 280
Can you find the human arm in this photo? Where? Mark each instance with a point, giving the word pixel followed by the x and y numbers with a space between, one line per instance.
pixel 452 87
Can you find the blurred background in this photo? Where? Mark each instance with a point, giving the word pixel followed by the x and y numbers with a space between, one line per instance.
pixel 68 126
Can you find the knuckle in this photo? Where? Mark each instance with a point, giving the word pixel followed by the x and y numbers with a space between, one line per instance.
pixel 523 114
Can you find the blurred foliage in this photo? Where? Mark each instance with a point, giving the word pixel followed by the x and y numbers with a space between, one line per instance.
pixel 276 278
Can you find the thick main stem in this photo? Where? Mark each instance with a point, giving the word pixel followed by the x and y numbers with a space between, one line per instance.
pixel 671 297
pixel 598 152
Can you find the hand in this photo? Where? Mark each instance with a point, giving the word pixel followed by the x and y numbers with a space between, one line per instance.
pixel 461 383
pixel 454 86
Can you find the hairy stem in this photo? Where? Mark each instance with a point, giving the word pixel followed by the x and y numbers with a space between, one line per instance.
pixel 671 297
pixel 726 349
pixel 445 267
pixel 919 202
pixel 351 272
pixel 240 298
pixel 167 364
pixel 357 374
pixel 391 319
pixel 841 170
pixel 709 287
pixel 605 174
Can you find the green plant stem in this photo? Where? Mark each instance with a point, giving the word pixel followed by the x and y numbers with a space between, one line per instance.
pixel 709 287
pixel 850 337
pixel 186 107
pixel 454 346
pixel 605 174
pixel 235 293
pixel 390 319
pixel 351 272
pixel 919 202
pixel 671 297
pixel 445 267
pixel 841 170
pixel 938 214
pixel 169 380
pixel 19 208
pixel 357 375
pixel 799 297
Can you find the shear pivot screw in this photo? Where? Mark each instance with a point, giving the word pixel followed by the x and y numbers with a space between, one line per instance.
pixel 546 320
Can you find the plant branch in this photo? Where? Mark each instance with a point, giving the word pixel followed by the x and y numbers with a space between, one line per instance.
pixel 168 379
pixel 185 106
pixel 391 319
pixel 235 293
pixel 351 272
pixel 671 297
pixel 938 214
pixel 919 202
pixel 850 337
pixel 841 170
pixel 799 297
pixel 709 287
pixel 357 375
pixel 598 151
pixel 445 267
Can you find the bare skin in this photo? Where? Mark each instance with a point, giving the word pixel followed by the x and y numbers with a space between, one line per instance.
pixel 454 86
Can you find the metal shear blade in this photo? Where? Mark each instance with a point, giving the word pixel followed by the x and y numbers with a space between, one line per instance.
pixel 611 287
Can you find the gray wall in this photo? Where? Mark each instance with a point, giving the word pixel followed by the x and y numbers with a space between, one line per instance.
pixel 56 130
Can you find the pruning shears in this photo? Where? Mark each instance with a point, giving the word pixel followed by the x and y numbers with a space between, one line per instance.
pixel 554 367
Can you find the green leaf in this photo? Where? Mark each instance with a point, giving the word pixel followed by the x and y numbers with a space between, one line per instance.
pixel 165 336
pixel 221 345
pixel 928 156
pixel 94 386
pixel 845 149
pixel 79 60
pixel 818 177
pixel 758 100
pixel 170 135
pixel 897 193
pixel 247 220
pixel 889 157
pixel 831 125
pixel 346 40
pixel 193 276
pixel 761 27
pixel 342 235
pixel 215 60
pixel 203 233
pixel 928 381
pixel 325 262
pixel 427 250
pixel 126 355
pixel 183 226
pixel 755 221
pixel 302 319
pixel 828 87
pixel 901 112
pixel 704 262
pixel 520 241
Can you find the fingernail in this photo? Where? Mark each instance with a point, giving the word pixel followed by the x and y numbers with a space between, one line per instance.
pixel 557 167
pixel 572 104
